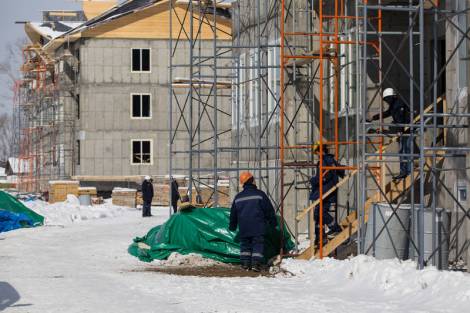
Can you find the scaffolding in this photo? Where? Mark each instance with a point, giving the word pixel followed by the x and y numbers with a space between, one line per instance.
pixel 300 72
pixel 45 120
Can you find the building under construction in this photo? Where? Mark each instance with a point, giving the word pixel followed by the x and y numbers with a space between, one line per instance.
pixel 207 89
pixel 94 95
pixel 310 71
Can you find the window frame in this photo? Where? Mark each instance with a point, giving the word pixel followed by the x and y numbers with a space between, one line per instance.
pixel 150 60
pixel 273 78
pixel 131 108
pixel 79 152
pixel 132 152
pixel 253 104
pixel 239 97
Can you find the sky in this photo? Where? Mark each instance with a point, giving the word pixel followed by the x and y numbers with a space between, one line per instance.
pixel 22 10
pixel 26 10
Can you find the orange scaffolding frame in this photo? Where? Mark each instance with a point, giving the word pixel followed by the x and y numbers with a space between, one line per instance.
pixel 325 40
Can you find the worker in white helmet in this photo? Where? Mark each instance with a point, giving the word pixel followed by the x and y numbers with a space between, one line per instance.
pixel 400 113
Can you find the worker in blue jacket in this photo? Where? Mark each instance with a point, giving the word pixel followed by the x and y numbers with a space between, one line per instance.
pixel 401 114
pixel 147 196
pixel 330 179
pixel 253 213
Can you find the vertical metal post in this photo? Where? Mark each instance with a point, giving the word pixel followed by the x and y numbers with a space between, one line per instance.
pixel 216 137
pixel 433 173
pixel 320 100
pixel 170 111
pixel 281 121
pixel 374 231
pixel 258 88
pixel 191 86
pixel 421 133
pixel 364 103
pixel 412 129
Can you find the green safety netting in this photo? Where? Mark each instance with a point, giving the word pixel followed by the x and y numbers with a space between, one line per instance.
pixel 203 231
pixel 17 211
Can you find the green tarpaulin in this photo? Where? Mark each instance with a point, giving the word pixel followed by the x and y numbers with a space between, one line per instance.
pixel 203 231
pixel 11 204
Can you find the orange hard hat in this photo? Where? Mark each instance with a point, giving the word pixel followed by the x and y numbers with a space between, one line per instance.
pixel 244 177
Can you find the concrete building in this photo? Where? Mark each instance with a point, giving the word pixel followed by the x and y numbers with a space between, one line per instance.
pixel 381 50
pixel 113 87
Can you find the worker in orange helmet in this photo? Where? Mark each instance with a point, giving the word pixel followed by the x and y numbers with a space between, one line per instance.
pixel 252 212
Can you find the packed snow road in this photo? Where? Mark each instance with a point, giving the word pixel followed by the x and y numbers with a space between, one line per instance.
pixel 84 267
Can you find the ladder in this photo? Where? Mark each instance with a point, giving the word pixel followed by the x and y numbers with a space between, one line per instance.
pixel 350 224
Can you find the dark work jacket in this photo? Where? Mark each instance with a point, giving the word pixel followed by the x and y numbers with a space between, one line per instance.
pixel 330 179
pixel 252 212
pixel 147 191
pixel 175 195
pixel 399 112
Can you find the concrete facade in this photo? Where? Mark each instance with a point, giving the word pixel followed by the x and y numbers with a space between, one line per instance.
pixel 105 128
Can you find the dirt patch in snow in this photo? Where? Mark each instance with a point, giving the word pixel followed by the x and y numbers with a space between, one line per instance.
pixel 206 271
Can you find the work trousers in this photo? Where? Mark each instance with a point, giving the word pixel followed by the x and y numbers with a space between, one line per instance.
pixel 174 204
pixel 251 250
pixel 405 148
pixel 147 208
pixel 327 218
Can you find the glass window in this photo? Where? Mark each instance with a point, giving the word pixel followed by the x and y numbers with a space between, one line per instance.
pixel 239 95
pixel 273 83
pixel 141 106
pixel 253 92
pixel 141 60
pixel 141 152
pixel 136 60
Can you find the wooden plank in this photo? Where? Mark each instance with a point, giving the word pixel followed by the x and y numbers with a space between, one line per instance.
pixel 392 195
pixel 154 23
pixel 326 194
pixel 92 9
pixel 350 223
pixel 133 178
pixel 351 174
pixel 209 4
pixel 309 57
pixel 200 85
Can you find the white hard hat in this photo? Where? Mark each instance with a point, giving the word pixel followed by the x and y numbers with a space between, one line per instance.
pixel 389 92
pixel 147 177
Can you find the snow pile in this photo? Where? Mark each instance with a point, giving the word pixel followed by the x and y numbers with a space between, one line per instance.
pixel 188 260
pixel 393 278
pixel 70 211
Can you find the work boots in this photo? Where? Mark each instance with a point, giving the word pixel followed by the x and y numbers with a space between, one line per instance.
pixel 246 265
pixel 400 176
pixel 256 267
pixel 334 229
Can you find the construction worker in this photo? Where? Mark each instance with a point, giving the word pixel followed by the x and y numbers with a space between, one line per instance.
pixel 175 195
pixel 330 179
pixel 253 213
pixel 400 114
pixel 147 196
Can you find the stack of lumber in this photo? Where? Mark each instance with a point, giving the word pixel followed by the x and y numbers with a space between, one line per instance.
pixel 124 197
pixel 58 190
pixel 87 191
pixel 208 196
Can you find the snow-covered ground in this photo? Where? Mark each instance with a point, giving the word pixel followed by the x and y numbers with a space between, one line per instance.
pixel 85 267
pixel 70 211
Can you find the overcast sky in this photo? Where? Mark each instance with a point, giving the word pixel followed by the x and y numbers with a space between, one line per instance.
pixel 23 10
pixel 26 10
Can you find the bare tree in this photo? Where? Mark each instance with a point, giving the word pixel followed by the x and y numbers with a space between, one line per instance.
pixel 9 75
pixel 6 136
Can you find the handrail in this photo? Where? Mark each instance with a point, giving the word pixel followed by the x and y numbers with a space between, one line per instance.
pixel 345 179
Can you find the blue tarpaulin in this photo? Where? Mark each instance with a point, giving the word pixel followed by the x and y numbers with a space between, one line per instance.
pixel 14 214
pixel 10 221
